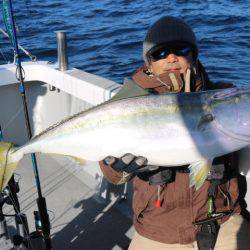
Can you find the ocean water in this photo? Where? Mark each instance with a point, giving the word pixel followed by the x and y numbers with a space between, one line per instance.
pixel 105 37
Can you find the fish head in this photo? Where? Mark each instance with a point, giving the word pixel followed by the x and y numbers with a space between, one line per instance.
pixel 231 112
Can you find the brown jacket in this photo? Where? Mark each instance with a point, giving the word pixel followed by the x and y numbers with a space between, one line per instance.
pixel 180 205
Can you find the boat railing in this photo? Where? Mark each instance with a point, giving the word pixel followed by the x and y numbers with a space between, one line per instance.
pixel 32 57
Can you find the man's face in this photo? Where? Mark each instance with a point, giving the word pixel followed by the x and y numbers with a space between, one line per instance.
pixel 165 60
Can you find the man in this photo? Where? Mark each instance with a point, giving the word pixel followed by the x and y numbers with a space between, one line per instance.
pixel 167 213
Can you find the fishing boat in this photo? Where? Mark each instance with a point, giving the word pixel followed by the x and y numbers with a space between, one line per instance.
pixel 78 197
pixel 75 194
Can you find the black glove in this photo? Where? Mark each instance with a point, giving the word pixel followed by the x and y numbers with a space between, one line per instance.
pixel 128 163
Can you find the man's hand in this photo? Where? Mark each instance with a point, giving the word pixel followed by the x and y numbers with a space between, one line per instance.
pixel 128 163
pixel 131 165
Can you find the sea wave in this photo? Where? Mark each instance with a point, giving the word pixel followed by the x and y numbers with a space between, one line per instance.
pixel 105 37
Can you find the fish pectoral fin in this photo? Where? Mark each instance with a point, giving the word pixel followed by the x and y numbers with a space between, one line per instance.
pixel 204 121
pixel 129 89
pixel 198 172
pixel 81 161
pixel 78 159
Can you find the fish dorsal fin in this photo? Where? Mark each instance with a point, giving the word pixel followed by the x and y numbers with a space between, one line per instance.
pixel 129 89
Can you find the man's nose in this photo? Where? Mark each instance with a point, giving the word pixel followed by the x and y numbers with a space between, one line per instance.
pixel 171 58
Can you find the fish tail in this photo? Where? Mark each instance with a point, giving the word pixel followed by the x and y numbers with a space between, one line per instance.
pixel 7 163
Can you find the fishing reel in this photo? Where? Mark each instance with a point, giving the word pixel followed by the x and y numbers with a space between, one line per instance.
pixel 8 196
pixel 23 239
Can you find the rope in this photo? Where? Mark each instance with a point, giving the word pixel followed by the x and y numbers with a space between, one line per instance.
pixel 6 18
pixel 32 57
pixel 3 56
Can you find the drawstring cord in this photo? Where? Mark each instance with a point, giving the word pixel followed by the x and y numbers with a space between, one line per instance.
pixel 188 81
pixel 158 201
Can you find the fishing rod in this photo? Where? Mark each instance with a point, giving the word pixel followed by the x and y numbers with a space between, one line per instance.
pixel 41 202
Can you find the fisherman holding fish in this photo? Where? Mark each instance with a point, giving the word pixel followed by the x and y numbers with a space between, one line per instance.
pixel 177 147
pixel 168 212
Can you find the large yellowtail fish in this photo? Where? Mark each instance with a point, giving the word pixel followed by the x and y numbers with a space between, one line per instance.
pixel 169 129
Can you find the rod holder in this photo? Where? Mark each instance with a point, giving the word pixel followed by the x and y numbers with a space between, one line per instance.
pixel 62 50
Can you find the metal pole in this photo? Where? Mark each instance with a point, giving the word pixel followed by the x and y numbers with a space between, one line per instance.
pixel 41 202
pixel 62 50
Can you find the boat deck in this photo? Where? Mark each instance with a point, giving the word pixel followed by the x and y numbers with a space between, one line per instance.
pixel 79 218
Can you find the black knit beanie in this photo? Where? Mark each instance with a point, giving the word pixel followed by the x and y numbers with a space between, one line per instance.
pixel 166 30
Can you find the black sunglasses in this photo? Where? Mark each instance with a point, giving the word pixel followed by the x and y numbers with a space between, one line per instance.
pixel 165 51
